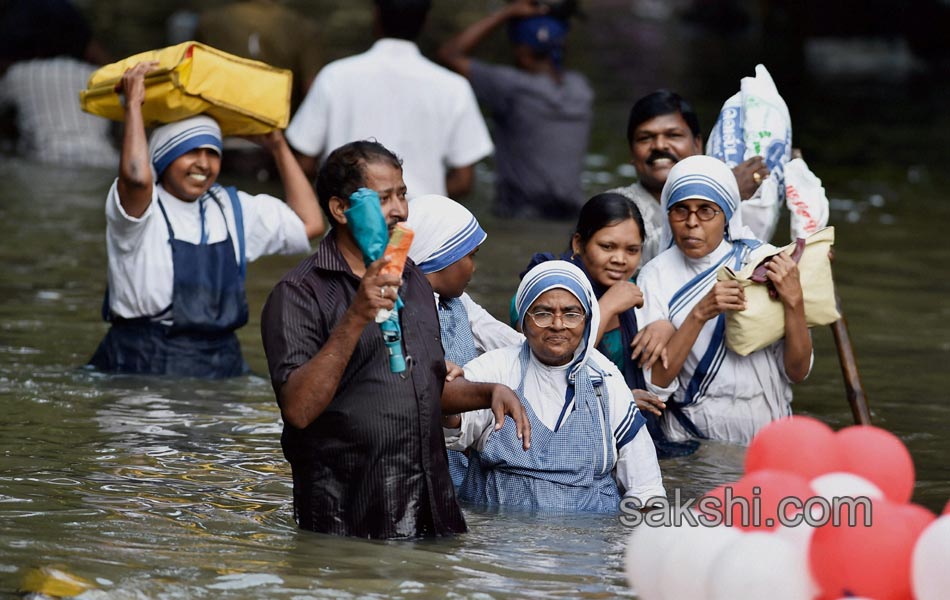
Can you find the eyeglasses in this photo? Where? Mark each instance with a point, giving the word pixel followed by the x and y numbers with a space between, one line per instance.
pixel 680 212
pixel 545 319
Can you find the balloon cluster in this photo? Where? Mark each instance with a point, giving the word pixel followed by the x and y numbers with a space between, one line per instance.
pixel 829 516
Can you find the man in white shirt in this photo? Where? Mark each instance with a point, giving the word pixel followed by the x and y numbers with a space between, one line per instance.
pixel 425 113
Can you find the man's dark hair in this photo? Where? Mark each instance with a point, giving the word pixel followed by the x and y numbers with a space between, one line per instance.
pixel 661 102
pixel 402 19
pixel 344 171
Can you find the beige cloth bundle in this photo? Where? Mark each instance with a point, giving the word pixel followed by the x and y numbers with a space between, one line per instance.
pixel 763 321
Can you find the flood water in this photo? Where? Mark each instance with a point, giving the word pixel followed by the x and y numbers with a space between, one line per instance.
pixel 154 488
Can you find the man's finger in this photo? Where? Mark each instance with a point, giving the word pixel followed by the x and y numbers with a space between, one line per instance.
pixel 524 430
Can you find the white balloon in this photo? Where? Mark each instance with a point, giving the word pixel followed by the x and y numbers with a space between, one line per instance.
pixel 647 548
pixel 755 566
pixel 689 560
pixel 841 484
pixel 929 573
pixel 799 538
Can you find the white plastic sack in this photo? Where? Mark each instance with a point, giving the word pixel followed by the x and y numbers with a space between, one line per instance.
pixel 756 122
pixel 805 198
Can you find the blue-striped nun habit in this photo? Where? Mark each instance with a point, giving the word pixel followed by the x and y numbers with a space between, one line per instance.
pixel 717 394
pixel 445 232
pixel 170 141
pixel 588 444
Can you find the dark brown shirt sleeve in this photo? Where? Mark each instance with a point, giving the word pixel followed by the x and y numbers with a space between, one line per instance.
pixel 292 329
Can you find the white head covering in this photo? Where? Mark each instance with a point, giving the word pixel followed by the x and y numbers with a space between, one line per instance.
pixel 445 232
pixel 170 141
pixel 560 274
pixel 710 179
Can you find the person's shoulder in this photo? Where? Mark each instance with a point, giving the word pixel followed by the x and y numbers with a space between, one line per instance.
pixel 440 75
pixel 504 355
pixel 342 66
pixel 658 264
pixel 302 273
pixel 493 366
pixel 248 199
pixel 488 69
pixel 604 364
pixel 579 81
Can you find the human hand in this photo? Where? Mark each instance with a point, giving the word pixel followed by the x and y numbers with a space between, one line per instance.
pixel 377 291
pixel 452 370
pixel 619 297
pixel 725 295
pixel 650 343
pixel 648 402
pixel 505 402
pixel 132 84
pixel 749 175
pixel 271 141
pixel 520 9
pixel 783 272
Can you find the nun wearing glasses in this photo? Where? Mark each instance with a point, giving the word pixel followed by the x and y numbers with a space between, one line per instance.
pixel 710 391
pixel 589 448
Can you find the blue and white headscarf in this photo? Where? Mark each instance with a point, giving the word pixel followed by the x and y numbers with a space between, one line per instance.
pixel 560 274
pixel 445 232
pixel 170 141
pixel 710 179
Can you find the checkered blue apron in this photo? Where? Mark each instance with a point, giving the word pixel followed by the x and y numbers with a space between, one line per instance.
pixel 459 346
pixel 568 469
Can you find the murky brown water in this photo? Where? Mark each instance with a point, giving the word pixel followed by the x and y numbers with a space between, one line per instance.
pixel 177 489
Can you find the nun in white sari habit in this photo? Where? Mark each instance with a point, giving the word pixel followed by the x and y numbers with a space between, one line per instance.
pixel 589 447
pixel 447 237
pixel 711 392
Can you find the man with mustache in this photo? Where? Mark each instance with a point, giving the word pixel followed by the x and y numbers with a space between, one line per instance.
pixel 662 130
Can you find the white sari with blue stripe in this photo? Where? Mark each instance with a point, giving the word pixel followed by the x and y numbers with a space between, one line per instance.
pixel 717 394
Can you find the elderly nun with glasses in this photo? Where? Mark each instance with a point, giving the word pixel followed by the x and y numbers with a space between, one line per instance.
pixel 588 445
pixel 710 391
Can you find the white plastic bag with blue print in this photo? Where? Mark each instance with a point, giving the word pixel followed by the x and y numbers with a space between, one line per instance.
pixel 756 122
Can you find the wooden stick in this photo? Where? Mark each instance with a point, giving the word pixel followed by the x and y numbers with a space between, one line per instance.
pixel 849 369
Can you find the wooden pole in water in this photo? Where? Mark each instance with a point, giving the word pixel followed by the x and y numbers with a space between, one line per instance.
pixel 849 365
pixel 849 369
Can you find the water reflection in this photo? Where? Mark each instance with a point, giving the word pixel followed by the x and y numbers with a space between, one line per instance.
pixel 158 489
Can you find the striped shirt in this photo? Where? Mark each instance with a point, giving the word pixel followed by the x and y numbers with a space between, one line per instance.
pixel 373 463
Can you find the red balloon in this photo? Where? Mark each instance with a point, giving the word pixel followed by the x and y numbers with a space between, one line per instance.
pixel 872 561
pixel 752 503
pixel 800 445
pixel 880 457
pixel 708 510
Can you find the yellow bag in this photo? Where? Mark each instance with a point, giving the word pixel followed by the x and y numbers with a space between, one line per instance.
pixel 244 96
pixel 763 321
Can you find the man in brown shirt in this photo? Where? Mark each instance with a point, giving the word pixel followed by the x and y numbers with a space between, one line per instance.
pixel 365 444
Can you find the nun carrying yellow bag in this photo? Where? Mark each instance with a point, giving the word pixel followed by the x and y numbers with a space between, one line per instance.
pixel 245 96
pixel 763 321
